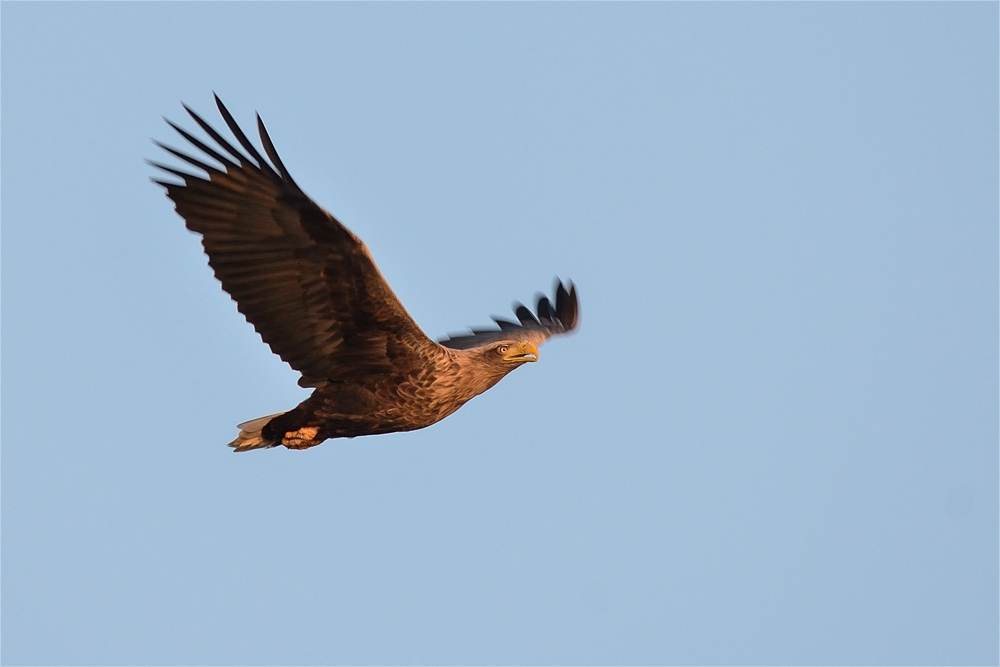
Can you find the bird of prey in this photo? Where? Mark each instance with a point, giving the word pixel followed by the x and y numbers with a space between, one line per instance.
pixel 312 291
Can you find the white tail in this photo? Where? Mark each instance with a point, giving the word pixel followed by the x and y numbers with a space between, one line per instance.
pixel 250 436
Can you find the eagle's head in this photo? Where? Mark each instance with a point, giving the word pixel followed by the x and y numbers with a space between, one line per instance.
pixel 485 365
pixel 502 356
pixel 513 353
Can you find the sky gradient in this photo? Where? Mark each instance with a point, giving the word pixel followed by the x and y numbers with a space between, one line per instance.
pixel 773 440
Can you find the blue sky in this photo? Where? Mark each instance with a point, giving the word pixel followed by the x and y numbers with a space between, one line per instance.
pixel 773 440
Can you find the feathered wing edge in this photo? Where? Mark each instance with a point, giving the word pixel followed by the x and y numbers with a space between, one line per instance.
pixel 549 321
pixel 297 274
pixel 232 158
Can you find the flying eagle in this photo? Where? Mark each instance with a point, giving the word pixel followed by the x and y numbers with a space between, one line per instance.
pixel 312 291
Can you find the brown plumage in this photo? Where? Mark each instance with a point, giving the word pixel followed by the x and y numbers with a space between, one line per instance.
pixel 312 291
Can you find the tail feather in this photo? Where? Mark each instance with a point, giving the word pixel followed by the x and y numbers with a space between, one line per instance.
pixel 250 436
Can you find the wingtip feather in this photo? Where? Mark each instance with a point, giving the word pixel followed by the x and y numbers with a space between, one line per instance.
pixel 551 320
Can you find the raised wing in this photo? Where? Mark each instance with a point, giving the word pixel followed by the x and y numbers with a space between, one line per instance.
pixel 549 322
pixel 307 285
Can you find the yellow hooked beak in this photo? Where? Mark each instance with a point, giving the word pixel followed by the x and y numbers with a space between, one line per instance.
pixel 522 352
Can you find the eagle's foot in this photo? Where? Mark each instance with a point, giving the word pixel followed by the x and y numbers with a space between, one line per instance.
pixel 302 438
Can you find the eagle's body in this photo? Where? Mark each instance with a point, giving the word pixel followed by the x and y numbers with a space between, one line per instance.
pixel 384 403
pixel 313 292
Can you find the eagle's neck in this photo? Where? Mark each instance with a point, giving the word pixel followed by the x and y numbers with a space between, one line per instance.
pixel 470 375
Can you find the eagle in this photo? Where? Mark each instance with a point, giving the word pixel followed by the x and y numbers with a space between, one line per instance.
pixel 312 291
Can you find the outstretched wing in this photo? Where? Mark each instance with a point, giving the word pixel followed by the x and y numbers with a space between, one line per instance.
pixel 307 285
pixel 549 322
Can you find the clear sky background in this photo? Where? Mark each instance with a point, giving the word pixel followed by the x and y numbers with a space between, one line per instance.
pixel 773 440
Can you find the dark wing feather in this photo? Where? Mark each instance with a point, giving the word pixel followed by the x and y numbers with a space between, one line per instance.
pixel 524 314
pixel 302 279
pixel 545 314
pixel 549 322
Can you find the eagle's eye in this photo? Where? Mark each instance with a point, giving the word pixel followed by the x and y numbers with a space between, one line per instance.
pixel 502 349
